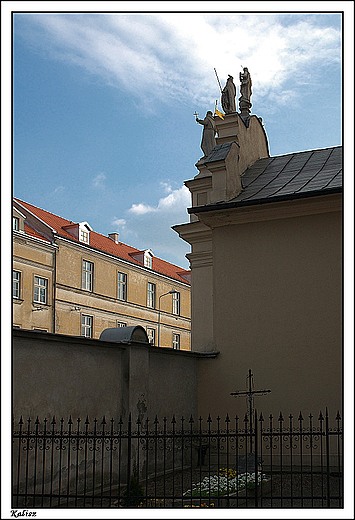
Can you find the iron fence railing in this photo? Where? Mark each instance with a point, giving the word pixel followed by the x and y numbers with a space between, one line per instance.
pixel 283 462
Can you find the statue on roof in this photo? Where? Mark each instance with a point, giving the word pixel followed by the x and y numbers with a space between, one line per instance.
pixel 245 92
pixel 208 134
pixel 228 96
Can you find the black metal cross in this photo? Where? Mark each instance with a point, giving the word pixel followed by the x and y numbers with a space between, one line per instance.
pixel 250 393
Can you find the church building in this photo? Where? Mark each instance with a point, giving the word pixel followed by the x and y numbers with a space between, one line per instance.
pixel 266 268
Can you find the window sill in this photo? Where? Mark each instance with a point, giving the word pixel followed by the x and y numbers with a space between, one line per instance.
pixel 18 301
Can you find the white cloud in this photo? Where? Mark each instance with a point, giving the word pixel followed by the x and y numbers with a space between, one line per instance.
pixel 99 181
pixel 119 224
pixel 149 225
pixel 161 57
pixel 177 199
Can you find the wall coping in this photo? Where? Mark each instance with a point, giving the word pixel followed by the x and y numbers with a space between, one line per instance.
pixel 80 340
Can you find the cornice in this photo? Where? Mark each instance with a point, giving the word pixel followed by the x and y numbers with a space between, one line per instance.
pixel 272 211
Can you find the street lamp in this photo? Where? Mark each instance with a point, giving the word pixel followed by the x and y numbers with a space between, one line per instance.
pixel 165 294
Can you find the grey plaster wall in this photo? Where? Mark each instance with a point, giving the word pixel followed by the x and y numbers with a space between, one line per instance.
pixel 58 375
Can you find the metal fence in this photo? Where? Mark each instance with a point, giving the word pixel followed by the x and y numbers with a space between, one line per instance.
pixel 282 462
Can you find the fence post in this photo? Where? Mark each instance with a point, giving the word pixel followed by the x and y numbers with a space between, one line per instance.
pixel 327 454
pixel 256 458
pixel 129 432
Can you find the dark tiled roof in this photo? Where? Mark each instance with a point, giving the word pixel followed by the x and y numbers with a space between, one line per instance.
pixel 293 174
pixel 104 243
pixel 218 152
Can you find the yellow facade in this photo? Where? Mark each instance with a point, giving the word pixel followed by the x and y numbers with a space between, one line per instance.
pixel 83 293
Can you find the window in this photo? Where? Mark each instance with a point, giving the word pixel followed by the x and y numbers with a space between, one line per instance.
pixel 86 326
pixel 148 259
pixel 122 286
pixel 88 275
pixel 176 303
pixel 176 341
pixel 121 324
pixel 40 290
pixel 84 236
pixel 151 291
pixel 15 223
pixel 16 284
pixel 151 335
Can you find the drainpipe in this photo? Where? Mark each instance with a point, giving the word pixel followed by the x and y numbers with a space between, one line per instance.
pixel 54 285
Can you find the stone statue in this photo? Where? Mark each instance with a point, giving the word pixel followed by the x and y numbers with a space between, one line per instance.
pixel 245 92
pixel 228 96
pixel 208 134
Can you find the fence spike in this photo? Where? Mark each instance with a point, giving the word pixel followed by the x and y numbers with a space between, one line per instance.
pixel 191 420
pixel 70 420
pixel 87 420
pixel 173 420
pixel 338 417
pixel 300 417
pixel 261 418
pixel 281 417
pixel 246 418
pixel 227 419
pixel 21 421
pixel 103 420
pixel 310 416
pixel 320 418
pixel 37 420
pixel 53 420
pixel 156 420
pixel 209 420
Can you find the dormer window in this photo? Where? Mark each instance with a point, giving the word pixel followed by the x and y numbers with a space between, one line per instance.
pixel 80 231
pixel 148 256
pixel 144 257
pixel 84 232
pixel 84 236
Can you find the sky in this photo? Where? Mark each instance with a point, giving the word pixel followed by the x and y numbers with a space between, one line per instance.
pixel 103 104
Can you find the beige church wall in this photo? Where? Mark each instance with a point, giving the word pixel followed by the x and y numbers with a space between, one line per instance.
pixel 277 311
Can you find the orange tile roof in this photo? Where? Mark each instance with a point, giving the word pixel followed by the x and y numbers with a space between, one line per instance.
pixel 104 243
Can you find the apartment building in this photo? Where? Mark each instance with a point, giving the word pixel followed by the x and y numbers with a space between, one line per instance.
pixel 68 279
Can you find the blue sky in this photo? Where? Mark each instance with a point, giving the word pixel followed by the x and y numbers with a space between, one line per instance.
pixel 103 107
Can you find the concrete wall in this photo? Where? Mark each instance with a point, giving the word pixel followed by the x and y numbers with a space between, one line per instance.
pixel 64 375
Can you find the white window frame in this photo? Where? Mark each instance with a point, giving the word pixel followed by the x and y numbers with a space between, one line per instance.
pixel 40 290
pixel 176 303
pixel 176 341
pixel 87 276
pixel 84 236
pixel 121 324
pixel 87 325
pixel 15 224
pixel 16 282
pixel 148 259
pixel 121 286
pixel 151 335
pixel 151 295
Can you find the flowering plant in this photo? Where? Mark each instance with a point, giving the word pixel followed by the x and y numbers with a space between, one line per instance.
pixel 226 482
